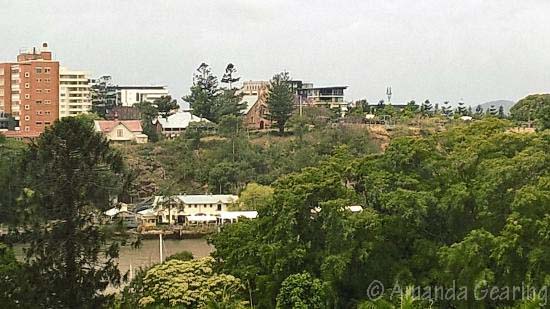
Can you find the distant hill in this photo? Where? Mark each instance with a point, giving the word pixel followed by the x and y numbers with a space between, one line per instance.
pixel 504 103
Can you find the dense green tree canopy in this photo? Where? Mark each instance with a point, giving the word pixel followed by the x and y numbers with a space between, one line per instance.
pixel 187 284
pixel 450 207
pixel 255 196
pixel 301 291
pixel 531 107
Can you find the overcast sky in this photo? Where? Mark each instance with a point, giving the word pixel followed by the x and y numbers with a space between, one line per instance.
pixel 478 50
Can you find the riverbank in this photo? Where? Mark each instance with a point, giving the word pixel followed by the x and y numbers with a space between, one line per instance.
pixel 148 252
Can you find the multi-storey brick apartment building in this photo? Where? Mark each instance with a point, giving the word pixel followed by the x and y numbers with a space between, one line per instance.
pixel 29 91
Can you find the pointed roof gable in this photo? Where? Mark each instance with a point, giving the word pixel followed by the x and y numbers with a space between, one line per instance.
pixel 107 126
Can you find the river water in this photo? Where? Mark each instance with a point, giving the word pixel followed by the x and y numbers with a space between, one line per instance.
pixel 148 253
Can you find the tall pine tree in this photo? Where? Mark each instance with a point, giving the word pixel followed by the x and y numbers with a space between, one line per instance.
pixel 70 175
pixel 203 93
pixel 280 100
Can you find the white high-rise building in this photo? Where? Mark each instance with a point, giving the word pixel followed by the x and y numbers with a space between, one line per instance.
pixel 74 93
pixel 130 95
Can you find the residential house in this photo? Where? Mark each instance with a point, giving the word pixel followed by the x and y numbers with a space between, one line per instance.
pixel 122 213
pixel 186 208
pixel 121 130
pixel 173 125
pixel 210 204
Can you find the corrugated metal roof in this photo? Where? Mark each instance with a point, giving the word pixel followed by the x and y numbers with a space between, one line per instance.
pixel 208 199
pixel 179 120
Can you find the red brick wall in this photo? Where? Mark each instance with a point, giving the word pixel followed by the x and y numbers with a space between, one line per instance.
pixel 6 87
pixel 40 108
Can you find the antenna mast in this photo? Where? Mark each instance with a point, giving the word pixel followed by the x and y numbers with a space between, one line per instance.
pixel 389 93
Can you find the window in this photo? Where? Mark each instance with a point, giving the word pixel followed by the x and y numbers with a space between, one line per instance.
pixel 47 102
pixel 47 70
pixel 38 123
pixel 47 123
pixel 27 129
pixel 38 102
pixel 38 70
pixel 27 107
pixel 119 133
pixel 48 113
pixel 47 90
pixel 27 96
pixel 38 90
pixel 39 112
pixel 27 118
pixel 38 80
pixel 47 80
pixel 27 74
pixel 219 207
pixel 27 85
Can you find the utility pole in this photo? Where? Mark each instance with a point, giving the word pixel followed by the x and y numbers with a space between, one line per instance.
pixel 300 100
pixel 160 247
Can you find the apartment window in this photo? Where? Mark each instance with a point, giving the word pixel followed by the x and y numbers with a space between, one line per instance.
pixel 47 123
pixel 27 107
pixel 38 80
pixel 38 123
pixel 119 133
pixel 137 97
pixel 27 129
pixel 47 80
pixel 47 90
pixel 38 102
pixel 47 70
pixel 27 74
pixel 27 96
pixel 38 90
pixel 38 70
pixel 27 118
pixel 48 113
pixel 27 85
pixel 47 102
pixel 39 112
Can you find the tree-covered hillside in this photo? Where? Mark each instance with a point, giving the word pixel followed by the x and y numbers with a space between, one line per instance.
pixel 468 207
pixel 225 164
